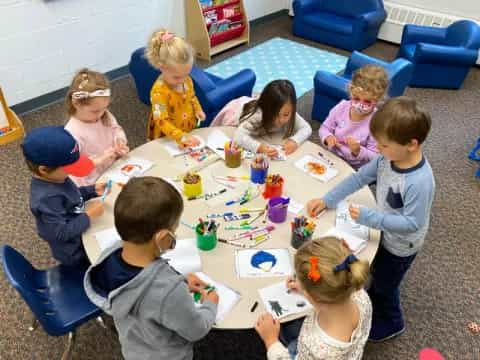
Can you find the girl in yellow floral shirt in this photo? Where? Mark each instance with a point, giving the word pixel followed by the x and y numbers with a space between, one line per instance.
pixel 175 108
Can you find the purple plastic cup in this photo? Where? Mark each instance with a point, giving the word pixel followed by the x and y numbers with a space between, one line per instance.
pixel 277 209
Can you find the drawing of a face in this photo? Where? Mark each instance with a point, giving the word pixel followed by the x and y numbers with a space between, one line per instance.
pixel 263 260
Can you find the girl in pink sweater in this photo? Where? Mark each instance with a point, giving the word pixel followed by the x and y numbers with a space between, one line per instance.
pixel 346 130
pixel 96 130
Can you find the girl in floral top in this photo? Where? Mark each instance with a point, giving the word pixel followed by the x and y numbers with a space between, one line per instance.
pixel 332 280
pixel 175 108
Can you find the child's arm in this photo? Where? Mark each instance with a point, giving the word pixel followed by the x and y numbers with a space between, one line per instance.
pixel 415 211
pixel 369 151
pixel 243 135
pixel 329 125
pixel 88 192
pixel 365 175
pixel 179 314
pixel 161 120
pixel 301 131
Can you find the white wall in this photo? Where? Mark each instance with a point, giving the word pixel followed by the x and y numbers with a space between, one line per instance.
pixel 44 42
pixel 460 8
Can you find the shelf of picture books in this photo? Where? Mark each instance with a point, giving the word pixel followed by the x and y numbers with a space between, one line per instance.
pixel 11 128
pixel 214 26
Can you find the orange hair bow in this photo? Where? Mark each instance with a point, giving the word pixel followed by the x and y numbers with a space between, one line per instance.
pixel 314 273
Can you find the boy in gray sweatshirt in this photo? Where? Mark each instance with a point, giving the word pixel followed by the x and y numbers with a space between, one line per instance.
pixel 150 302
pixel 405 192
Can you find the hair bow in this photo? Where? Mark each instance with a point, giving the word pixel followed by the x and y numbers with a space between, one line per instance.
pixel 345 264
pixel 85 94
pixel 167 36
pixel 314 273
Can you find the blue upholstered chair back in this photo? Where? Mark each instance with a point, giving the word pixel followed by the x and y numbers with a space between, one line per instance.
pixel 350 8
pixel 464 33
pixel 55 296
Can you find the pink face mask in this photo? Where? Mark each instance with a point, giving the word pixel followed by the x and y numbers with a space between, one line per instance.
pixel 363 107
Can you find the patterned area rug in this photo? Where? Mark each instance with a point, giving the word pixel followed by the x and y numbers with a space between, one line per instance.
pixel 282 59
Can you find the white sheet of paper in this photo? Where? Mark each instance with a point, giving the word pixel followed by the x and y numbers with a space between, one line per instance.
pixel 345 223
pixel 228 297
pixel 355 243
pixel 275 263
pixel 173 149
pixel 216 140
pixel 280 303
pixel 295 207
pixel 185 258
pixel 130 167
pixel 329 174
pixel 107 238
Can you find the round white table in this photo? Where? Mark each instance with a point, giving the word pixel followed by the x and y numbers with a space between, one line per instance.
pixel 219 263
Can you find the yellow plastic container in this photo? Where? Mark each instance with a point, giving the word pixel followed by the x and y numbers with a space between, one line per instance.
pixel 193 189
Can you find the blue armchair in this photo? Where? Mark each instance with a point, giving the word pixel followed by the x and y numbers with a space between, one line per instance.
pixel 441 57
pixel 331 88
pixel 55 296
pixel 212 91
pixel 347 24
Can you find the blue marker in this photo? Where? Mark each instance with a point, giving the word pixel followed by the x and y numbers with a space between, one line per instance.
pixel 107 189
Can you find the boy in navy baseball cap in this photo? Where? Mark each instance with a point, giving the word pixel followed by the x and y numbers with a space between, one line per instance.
pixel 58 205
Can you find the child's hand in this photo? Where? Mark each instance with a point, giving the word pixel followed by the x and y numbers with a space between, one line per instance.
pixel 100 188
pixel 353 145
pixel 94 209
pixel 195 284
pixel 108 156
pixel 354 212
pixel 331 141
pixel 292 284
pixel 121 147
pixel 315 206
pixel 268 328
pixel 269 150
pixel 209 295
pixel 189 141
pixel 290 146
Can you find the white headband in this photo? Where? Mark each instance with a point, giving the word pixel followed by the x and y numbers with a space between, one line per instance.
pixel 85 94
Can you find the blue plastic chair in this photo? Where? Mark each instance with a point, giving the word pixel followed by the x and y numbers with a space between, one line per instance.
pixel 474 154
pixel 346 24
pixel 330 88
pixel 212 91
pixel 441 57
pixel 55 296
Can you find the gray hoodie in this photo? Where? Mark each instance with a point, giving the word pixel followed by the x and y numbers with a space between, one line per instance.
pixel 154 312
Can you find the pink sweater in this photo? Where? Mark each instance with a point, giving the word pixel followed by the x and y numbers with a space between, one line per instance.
pixel 339 124
pixel 93 139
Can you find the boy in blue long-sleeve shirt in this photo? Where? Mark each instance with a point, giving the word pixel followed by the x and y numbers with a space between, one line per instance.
pixel 58 205
pixel 405 192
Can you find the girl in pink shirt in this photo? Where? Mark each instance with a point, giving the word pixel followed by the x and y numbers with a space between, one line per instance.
pixel 96 130
pixel 346 130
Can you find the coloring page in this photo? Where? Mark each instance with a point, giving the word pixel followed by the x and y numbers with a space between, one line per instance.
pixel 316 168
pixel 263 263
pixel 281 302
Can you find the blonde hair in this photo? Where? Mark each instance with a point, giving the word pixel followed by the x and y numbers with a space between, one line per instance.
pixel 372 79
pixel 89 81
pixel 332 287
pixel 166 49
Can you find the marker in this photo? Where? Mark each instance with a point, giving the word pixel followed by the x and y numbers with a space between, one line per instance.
pixel 255 304
pixel 233 243
pixel 108 186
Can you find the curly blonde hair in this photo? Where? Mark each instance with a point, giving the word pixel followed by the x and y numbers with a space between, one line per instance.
pixel 332 287
pixel 166 49
pixel 89 81
pixel 372 79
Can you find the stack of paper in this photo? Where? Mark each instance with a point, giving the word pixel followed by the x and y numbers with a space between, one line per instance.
pixel 185 258
pixel 346 228
pixel 281 302
pixel 228 297
pixel 216 141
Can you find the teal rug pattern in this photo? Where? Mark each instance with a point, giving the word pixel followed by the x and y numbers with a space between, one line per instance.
pixel 282 59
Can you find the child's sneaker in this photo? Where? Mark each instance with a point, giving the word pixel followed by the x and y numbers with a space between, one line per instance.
pixel 384 330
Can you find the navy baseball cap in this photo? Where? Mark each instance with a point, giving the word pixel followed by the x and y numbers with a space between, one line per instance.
pixel 53 146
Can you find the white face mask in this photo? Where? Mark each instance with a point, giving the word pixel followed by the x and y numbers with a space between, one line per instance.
pixel 362 107
pixel 173 243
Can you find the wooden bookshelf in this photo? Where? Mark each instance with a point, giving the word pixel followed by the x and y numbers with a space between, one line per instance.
pixel 207 41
